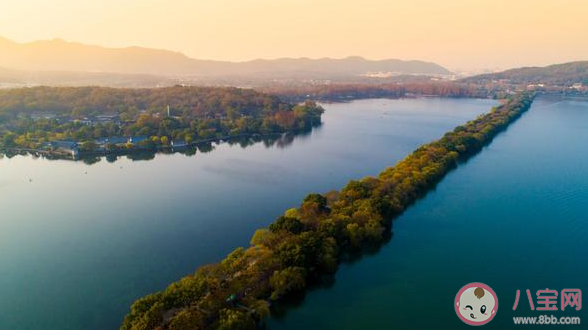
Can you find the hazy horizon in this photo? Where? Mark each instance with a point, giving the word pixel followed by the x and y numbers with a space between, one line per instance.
pixel 459 35
pixel 206 59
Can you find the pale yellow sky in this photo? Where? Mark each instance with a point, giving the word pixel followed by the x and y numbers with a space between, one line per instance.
pixel 459 34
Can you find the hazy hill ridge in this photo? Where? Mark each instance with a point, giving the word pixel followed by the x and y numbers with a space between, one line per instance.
pixel 564 74
pixel 60 55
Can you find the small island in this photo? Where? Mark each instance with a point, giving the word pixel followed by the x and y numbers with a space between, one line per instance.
pixel 73 122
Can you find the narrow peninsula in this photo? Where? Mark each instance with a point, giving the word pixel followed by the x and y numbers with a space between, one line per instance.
pixel 311 240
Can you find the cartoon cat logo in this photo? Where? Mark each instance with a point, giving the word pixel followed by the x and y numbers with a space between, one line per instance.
pixel 476 304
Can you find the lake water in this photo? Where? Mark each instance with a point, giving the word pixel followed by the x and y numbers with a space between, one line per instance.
pixel 79 243
pixel 515 217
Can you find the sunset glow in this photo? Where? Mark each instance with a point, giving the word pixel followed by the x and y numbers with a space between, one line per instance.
pixel 459 34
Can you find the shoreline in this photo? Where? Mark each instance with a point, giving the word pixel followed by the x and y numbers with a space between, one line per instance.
pixel 65 155
pixel 313 239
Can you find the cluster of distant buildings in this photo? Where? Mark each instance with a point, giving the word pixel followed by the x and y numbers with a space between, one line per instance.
pixel 576 86
pixel 72 148
pixel 66 147
pixel 580 87
pixel 510 87
pixel 101 119
pixel 89 120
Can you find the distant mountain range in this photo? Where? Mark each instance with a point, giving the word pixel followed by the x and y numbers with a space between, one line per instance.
pixel 564 74
pixel 71 59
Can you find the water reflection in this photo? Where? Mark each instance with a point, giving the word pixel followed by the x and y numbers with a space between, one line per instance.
pixel 326 281
pixel 480 224
pixel 280 141
pixel 79 243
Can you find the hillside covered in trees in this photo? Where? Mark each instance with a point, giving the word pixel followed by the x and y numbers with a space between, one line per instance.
pixel 30 117
pixel 346 92
pixel 58 55
pixel 565 74
pixel 236 293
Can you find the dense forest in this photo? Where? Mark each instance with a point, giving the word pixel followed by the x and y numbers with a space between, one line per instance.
pixel 346 92
pixel 30 117
pixel 311 240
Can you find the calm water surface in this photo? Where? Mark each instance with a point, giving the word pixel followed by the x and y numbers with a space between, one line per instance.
pixel 79 243
pixel 514 217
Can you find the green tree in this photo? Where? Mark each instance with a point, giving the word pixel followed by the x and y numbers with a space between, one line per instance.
pixel 231 319
pixel 88 146
pixel 8 139
pixel 288 280
pixel 285 281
